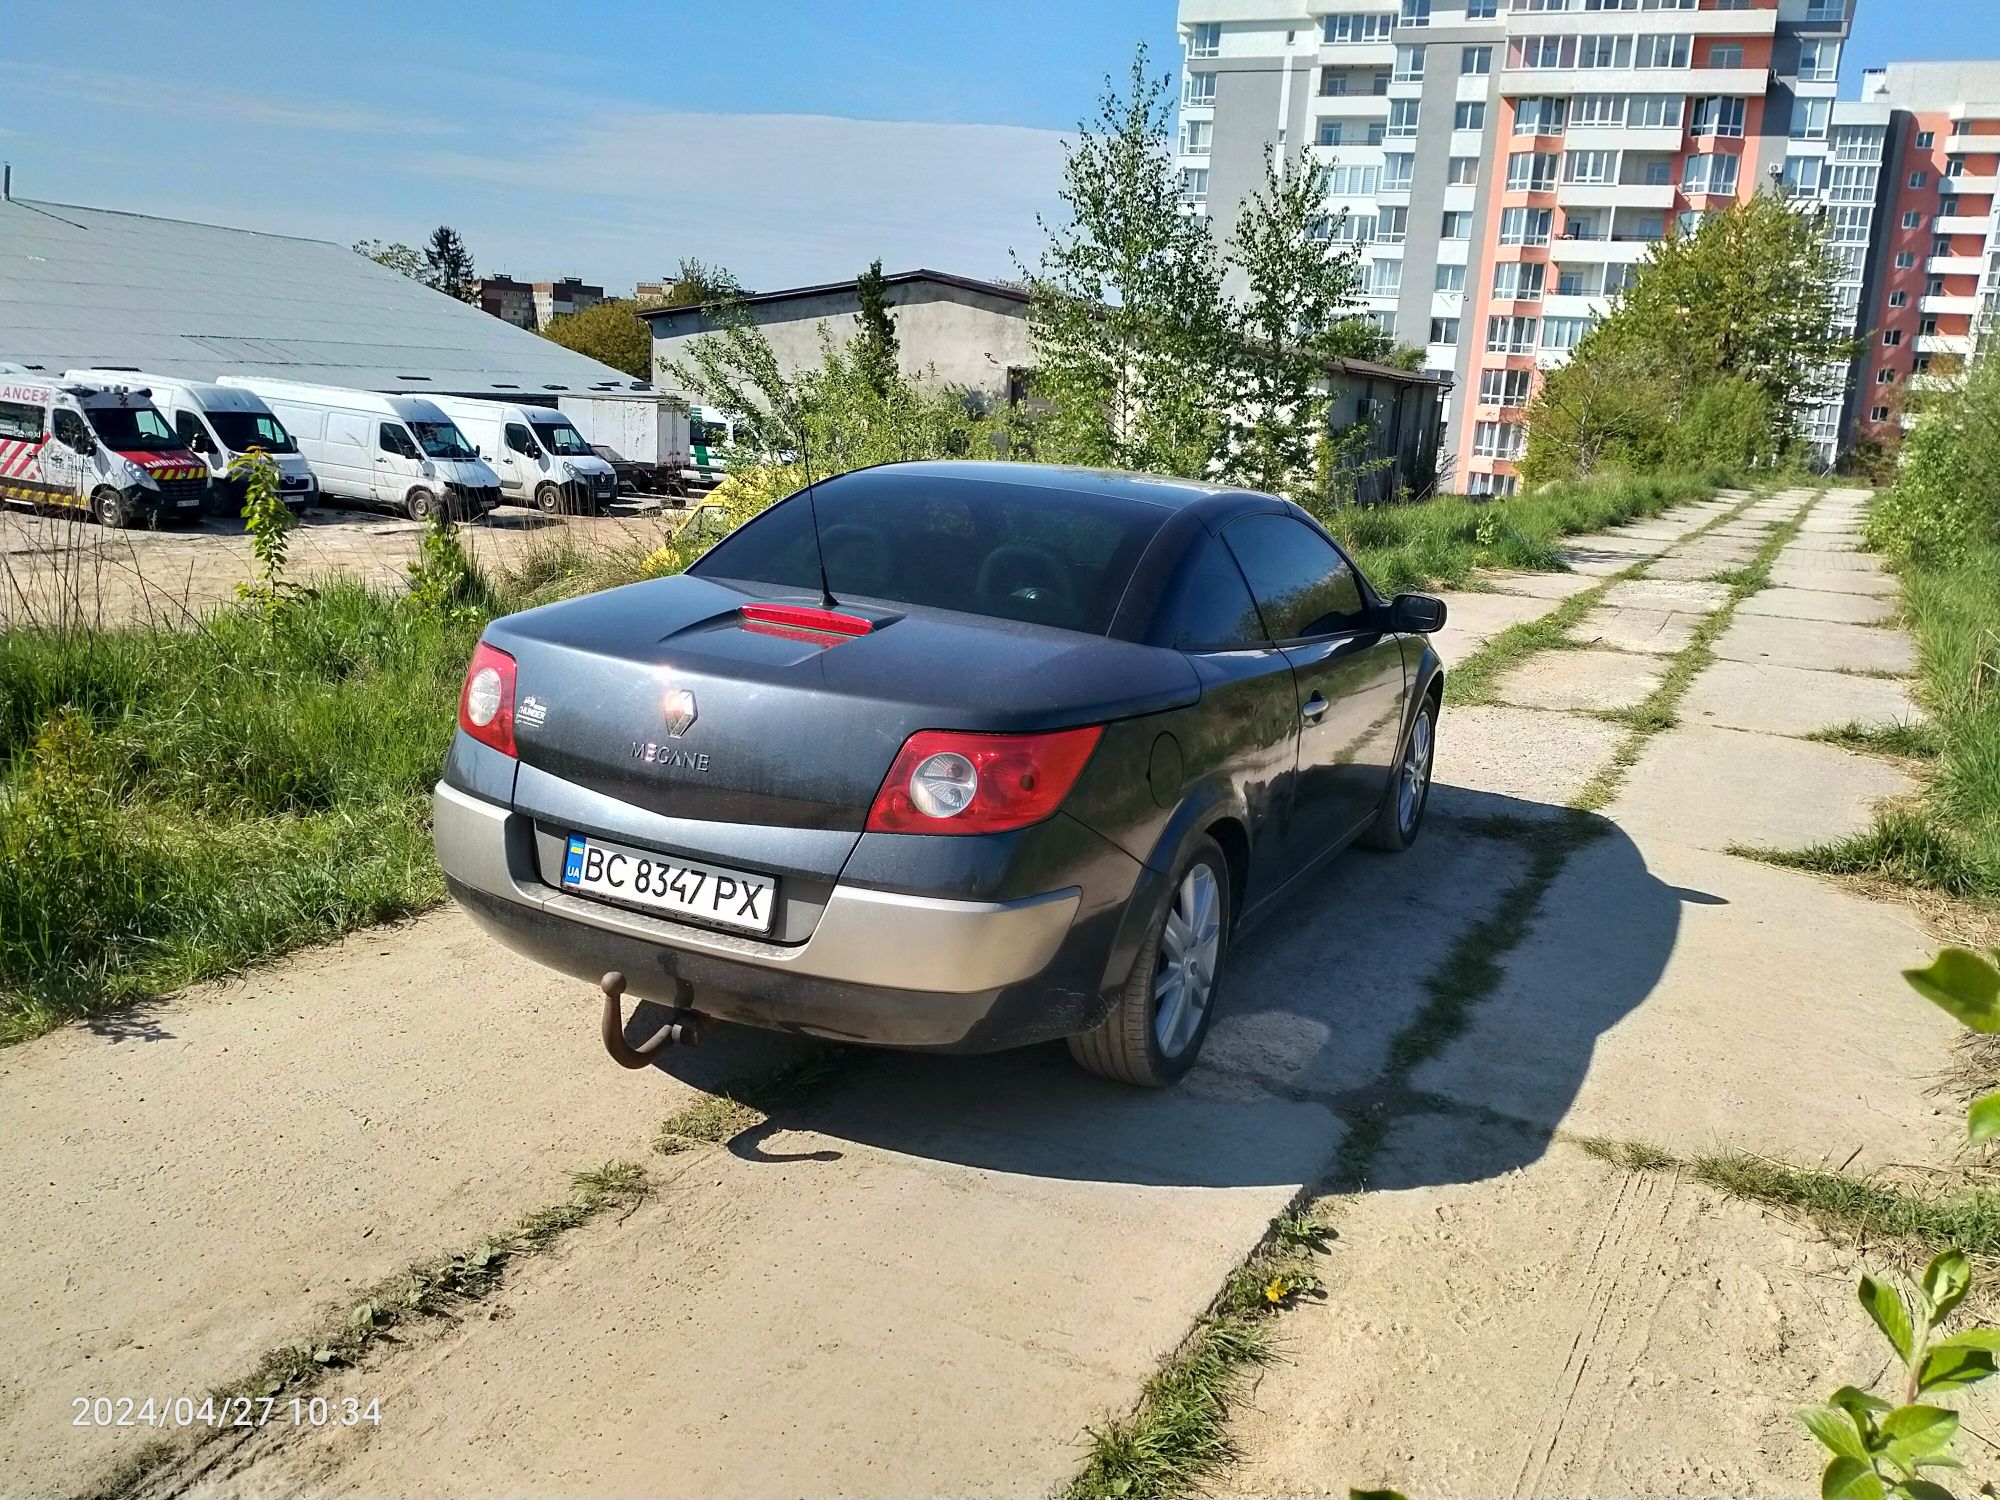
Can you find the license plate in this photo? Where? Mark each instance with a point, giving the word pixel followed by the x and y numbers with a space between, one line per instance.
pixel 730 898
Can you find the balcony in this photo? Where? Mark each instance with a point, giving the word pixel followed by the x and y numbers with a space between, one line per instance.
pixel 1745 23
pixel 1664 139
pixel 1942 343
pixel 1373 106
pixel 1955 265
pixel 1568 305
pixel 1627 251
pixel 1357 54
pixel 1615 195
pixel 1966 184
pixel 1962 224
pixel 1746 82
pixel 1963 307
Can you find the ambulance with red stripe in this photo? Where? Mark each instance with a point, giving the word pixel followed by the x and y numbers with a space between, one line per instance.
pixel 101 448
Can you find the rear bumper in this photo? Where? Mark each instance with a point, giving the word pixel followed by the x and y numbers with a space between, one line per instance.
pixel 879 967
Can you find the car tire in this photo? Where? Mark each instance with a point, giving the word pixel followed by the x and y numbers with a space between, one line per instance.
pixel 108 508
pixel 1400 818
pixel 548 500
pixel 420 505
pixel 1138 1042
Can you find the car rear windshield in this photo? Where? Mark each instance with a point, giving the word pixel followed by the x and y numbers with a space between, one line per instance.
pixel 1043 555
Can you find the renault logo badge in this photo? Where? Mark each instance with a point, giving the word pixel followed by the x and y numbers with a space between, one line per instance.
pixel 680 711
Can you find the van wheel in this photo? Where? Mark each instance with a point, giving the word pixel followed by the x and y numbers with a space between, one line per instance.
pixel 1155 1031
pixel 548 500
pixel 110 508
pixel 421 505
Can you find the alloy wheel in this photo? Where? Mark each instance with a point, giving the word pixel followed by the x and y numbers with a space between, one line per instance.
pixel 1190 943
pixel 1415 778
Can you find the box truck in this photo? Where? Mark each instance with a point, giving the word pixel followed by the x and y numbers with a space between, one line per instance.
pixel 219 422
pixel 395 451
pixel 541 458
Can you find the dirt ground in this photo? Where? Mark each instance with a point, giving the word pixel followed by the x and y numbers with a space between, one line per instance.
pixel 55 567
pixel 935 1274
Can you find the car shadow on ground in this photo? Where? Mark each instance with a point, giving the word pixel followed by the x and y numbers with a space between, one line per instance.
pixel 1315 1001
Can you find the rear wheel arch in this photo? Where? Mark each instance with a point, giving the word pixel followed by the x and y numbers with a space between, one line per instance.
pixel 1234 840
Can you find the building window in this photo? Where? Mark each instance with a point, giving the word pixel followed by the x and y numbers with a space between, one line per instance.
pixel 1462 171
pixel 1444 330
pixel 1397 170
pixel 1204 39
pixel 1926 139
pixel 1891 337
pixel 1725 55
pixel 1539 116
pixel 1490 484
pixel 1475 60
pixel 1594 167
pixel 1531 172
pixel 1940 246
pixel 1716 116
pixel 1338 180
pixel 1524 226
pixel 1878 413
pixel 1409 64
pixel 1953 167
pixel 1819 59
pixel 1662 52
pixel 1194 186
pixel 1563 333
pixel 1385 278
pixel 1505 335
pixel 1402 118
pixel 1449 279
pixel 1947 208
pixel 1393 227
pixel 1518 281
pixel 1921 365
pixel 1709 174
pixel 1934 286
pixel 1927 328
pixel 1905 259
pixel 1200 91
pixel 1913 220
pixel 1505 387
pixel 1899 299
pixel 1196 136
pixel 1415 13
pixel 1498 439
pixel 1826 10
pixel 1801 176
pixel 1457 225
pixel 1885 376
pixel 1481 10
pixel 1810 119
pixel 1469 115
pixel 1918 179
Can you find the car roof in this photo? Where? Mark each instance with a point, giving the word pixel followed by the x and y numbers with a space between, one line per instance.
pixel 1149 489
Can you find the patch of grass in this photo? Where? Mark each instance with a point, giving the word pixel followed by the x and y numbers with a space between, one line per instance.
pixel 1176 1436
pixel 1471 681
pixel 749 1102
pixel 1950 840
pixel 1441 542
pixel 429 1289
pixel 1916 741
pixel 1635 1156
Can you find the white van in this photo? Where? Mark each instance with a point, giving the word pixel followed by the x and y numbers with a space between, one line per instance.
pixel 217 423
pixel 541 458
pixel 397 451
pixel 97 448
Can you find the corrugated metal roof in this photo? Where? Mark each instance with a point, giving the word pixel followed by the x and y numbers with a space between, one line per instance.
pixel 94 287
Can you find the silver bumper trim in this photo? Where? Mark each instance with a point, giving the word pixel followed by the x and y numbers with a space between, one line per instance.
pixel 867 937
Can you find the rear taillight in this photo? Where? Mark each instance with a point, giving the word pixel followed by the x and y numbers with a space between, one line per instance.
pixel 802 619
pixel 486 704
pixel 947 781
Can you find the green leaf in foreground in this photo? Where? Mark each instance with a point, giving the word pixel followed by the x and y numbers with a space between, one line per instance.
pixel 1982 1121
pixel 1886 1308
pixel 1964 984
pixel 1835 1431
pixel 1849 1479
pixel 1945 1281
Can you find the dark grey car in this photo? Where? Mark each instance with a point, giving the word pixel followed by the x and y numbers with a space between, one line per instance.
pixel 1016 766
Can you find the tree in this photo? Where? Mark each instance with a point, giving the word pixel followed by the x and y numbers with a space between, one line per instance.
pixel 1125 308
pixel 692 284
pixel 875 345
pixel 1722 343
pixel 397 257
pixel 448 264
pixel 1296 317
pixel 611 333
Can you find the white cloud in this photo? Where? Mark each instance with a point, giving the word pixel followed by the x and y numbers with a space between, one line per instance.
pixel 166 98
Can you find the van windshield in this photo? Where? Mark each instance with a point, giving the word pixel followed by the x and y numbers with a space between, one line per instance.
pixel 561 438
pixel 133 429
pixel 239 431
pixel 442 440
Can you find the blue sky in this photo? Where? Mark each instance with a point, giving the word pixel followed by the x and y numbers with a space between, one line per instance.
pixel 791 141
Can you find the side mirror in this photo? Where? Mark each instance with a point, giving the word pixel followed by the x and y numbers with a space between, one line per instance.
pixel 1416 614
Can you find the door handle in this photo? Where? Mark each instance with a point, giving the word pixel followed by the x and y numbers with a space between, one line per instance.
pixel 1314 709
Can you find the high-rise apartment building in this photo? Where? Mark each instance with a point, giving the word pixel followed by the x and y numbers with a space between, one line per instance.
pixel 1937 262
pixel 1505 163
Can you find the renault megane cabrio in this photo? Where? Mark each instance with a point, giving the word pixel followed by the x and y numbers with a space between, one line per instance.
pixel 959 756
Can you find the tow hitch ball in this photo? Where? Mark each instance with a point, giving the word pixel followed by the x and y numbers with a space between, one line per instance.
pixel 684 1028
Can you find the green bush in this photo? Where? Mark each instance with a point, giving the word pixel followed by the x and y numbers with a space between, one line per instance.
pixel 1945 502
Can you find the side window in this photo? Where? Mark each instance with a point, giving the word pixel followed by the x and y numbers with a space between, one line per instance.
pixel 71 432
pixel 395 440
pixel 20 422
pixel 1301 584
pixel 187 426
pixel 1207 606
pixel 520 439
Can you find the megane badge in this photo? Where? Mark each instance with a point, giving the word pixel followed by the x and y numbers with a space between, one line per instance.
pixel 680 711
